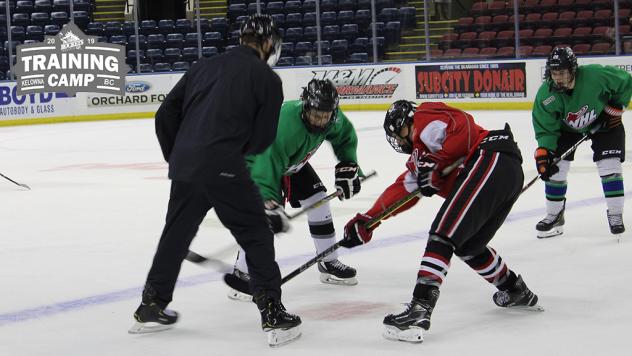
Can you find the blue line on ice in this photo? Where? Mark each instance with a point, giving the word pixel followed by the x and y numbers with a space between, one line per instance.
pixel 101 299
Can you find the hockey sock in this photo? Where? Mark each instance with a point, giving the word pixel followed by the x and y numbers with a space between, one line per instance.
pixel 434 265
pixel 492 268
pixel 321 226
pixel 612 183
pixel 613 191
pixel 555 194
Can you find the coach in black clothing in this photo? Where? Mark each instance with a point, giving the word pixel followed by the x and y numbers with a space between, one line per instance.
pixel 222 109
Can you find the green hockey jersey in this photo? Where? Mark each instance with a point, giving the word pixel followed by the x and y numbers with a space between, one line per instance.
pixel 595 86
pixel 293 147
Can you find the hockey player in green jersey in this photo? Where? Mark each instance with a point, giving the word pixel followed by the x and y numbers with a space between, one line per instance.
pixel 282 173
pixel 572 102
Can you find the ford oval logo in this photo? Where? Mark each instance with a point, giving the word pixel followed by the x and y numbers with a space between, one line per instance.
pixel 137 87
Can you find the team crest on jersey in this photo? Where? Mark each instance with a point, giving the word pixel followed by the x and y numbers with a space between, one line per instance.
pixel 297 167
pixel 580 119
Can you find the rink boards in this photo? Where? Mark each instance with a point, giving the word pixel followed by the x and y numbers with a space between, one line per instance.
pixel 470 85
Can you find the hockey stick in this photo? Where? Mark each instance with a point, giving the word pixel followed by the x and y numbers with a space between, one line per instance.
pixel 329 197
pixel 197 258
pixel 238 284
pixel 14 182
pixel 213 260
pixel 235 283
pixel 557 160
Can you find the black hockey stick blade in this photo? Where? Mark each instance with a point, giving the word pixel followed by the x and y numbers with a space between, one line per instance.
pixel 195 258
pixel 239 285
pixel 213 261
pixel 14 182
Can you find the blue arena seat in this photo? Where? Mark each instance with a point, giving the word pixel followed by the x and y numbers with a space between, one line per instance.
pixel 181 66
pixel 285 62
pixel 162 67
pixel 209 51
pixel 303 61
pixel 358 57
pixel 174 40
pixel 302 48
pixel 172 55
pixel 166 26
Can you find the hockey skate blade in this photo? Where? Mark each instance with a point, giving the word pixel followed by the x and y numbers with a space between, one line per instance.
pixel 331 279
pixel 413 334
pixel 558 230
pixel 237 284
pixel 533 308
pixel 239 296
pixel 148 328
pixel 280 337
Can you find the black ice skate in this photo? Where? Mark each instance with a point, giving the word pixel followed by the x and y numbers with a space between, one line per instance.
pixel 151 318
pixel 336 272
pixel 616 223
pixel 552 224
pixel 518 296
pixel 410 324
pixel 235 294
pixel 280 326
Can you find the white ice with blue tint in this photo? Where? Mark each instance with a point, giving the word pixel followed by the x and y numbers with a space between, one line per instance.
pixel 75 250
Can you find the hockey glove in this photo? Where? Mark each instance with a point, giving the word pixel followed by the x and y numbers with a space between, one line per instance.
pixel 347 179
pixel 356 232
pixel 611 116
pixel 428 175
pixel 544 163
pixel 277 218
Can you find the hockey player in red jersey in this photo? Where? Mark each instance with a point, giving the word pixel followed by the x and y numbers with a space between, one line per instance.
pixel 478 196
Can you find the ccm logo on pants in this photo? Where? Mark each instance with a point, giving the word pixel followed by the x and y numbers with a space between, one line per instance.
pixel 611 152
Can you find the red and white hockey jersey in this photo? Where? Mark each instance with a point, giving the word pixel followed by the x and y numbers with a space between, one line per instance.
pixel 446 133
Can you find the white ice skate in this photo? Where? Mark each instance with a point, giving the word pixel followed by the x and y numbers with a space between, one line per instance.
pixel 336 272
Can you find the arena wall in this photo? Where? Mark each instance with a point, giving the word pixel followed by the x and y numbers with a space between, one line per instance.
pixel 470 85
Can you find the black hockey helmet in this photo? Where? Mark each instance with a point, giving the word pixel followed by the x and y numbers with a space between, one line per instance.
pixel 262 27
pixel 560 58
pixel 319 95
pixel 399 114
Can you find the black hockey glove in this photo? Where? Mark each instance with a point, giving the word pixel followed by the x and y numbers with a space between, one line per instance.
pixel 347 179
pixel 544 163
pixel 277 218
pixel 428 175
pixel 611 116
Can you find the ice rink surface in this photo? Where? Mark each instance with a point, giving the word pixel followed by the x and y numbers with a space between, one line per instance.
pixel 75 250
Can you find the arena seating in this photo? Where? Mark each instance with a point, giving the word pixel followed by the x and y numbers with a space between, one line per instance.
pixel 586 26
pixel 487 31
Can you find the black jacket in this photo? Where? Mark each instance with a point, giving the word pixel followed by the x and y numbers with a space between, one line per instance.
pixel 223 108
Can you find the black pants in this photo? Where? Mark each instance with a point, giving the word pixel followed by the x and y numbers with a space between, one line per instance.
pixel 481 199
pixel 302 185
pixel 239 207
pixel 605 144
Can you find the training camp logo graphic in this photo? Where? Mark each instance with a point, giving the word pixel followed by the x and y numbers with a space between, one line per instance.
pixel 71 62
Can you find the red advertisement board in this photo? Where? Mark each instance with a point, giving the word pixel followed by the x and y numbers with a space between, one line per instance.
pixel 471 80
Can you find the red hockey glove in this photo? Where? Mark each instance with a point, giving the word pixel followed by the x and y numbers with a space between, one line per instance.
pixel 611 116
pixel 544 163
pixel 356 232
pixel 428 175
